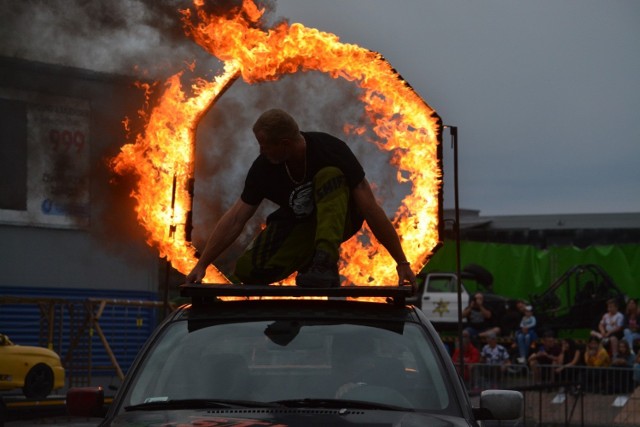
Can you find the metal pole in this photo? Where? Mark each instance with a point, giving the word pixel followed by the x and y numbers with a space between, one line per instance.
pixel 453 130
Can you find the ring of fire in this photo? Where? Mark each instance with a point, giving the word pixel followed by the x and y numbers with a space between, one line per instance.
pixel 162 157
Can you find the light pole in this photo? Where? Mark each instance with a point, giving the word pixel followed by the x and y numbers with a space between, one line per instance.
pixel 453 131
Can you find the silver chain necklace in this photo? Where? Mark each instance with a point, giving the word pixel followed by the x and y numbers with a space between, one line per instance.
pixel 304 171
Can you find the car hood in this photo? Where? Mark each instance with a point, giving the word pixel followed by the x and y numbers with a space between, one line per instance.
pixel 282 417
pixel 27 350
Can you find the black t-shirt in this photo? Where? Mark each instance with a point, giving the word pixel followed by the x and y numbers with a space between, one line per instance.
pixel 266 180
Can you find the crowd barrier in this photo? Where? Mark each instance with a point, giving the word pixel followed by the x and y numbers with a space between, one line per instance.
pixel 578 395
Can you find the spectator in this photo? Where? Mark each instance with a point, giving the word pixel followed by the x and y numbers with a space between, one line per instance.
pixel 620 379
pixel 596 355
pixel 510 321
pixel 496 359
pixel 595 358
pixel 545 357
pixel 480 321
pixel 569 358
pixel 470 356
pixel 636 370
pixel 624 356
pixel 610 327
pixel 526 335
pixel 631 329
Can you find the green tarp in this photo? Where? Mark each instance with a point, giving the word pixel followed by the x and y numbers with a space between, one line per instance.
pixel 522 270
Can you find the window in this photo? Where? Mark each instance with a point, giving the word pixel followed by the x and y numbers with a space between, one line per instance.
pixel 281 360
pixel 13 155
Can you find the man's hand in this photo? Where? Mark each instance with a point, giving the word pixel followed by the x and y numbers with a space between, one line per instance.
pixel 197 274
pixel 224 234
pixel 405 275
pixel 382 229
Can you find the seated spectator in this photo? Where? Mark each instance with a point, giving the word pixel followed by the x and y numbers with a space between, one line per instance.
pixel 595 358
pixel 526 335
pixel 570 357
pixel 631 331
pixel 610 327
pixel 624 356
pixel 595 354
pixel 636 370
pixel 495 358
pixel 545 356
pixel 620 379
pixel 470 356
pixel 480 321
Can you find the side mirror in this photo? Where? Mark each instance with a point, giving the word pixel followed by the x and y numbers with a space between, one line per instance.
pixel 85 402
pixel 499 405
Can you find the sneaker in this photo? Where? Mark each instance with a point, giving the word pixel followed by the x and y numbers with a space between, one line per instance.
pixel 322 273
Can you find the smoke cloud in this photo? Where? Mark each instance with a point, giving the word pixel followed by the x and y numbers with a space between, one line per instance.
pixel 133 37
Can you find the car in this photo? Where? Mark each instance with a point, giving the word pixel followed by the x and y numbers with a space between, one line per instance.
pixel 37 370
pixel 285 355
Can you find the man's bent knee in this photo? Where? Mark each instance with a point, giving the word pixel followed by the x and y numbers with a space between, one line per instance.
pixel 327 181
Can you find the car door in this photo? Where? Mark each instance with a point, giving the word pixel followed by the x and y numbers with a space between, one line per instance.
pixel 440 298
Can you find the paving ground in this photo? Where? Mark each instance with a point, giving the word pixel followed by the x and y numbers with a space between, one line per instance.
pixel 51 411
pixel 592 409
pixel 630 413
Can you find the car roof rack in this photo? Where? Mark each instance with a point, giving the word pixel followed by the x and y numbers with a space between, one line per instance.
pixel 199 292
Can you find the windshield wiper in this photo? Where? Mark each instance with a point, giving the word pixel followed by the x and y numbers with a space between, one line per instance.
pixel 339 404
pixel 198 404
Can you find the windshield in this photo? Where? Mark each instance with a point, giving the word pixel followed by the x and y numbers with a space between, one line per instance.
pixel 267 361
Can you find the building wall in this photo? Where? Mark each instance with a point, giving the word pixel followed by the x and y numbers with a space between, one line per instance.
pixel 71 225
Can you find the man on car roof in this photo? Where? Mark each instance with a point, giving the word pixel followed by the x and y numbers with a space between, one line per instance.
pixel 323 199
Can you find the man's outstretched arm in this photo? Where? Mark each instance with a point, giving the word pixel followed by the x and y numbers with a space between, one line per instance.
pixel 224 234
pixel 382 229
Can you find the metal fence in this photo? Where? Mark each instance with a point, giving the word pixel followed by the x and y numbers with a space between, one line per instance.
pixel 92 336
pixel 570 396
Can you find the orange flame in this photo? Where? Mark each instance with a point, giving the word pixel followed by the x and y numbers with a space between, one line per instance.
pixel 163 160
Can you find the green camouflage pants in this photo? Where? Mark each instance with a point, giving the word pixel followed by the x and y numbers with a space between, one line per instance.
pixel 287 245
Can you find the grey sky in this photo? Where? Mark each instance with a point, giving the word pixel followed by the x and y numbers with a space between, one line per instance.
pixel 545 93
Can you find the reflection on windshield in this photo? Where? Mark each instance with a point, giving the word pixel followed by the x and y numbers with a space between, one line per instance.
pixel 275 361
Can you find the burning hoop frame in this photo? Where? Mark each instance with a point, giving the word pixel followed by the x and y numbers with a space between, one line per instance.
pixel 406 126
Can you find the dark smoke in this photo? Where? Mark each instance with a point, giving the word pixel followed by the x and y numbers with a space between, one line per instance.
pixel 132 37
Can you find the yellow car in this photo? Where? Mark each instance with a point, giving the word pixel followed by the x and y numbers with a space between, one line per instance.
pixel 37 370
